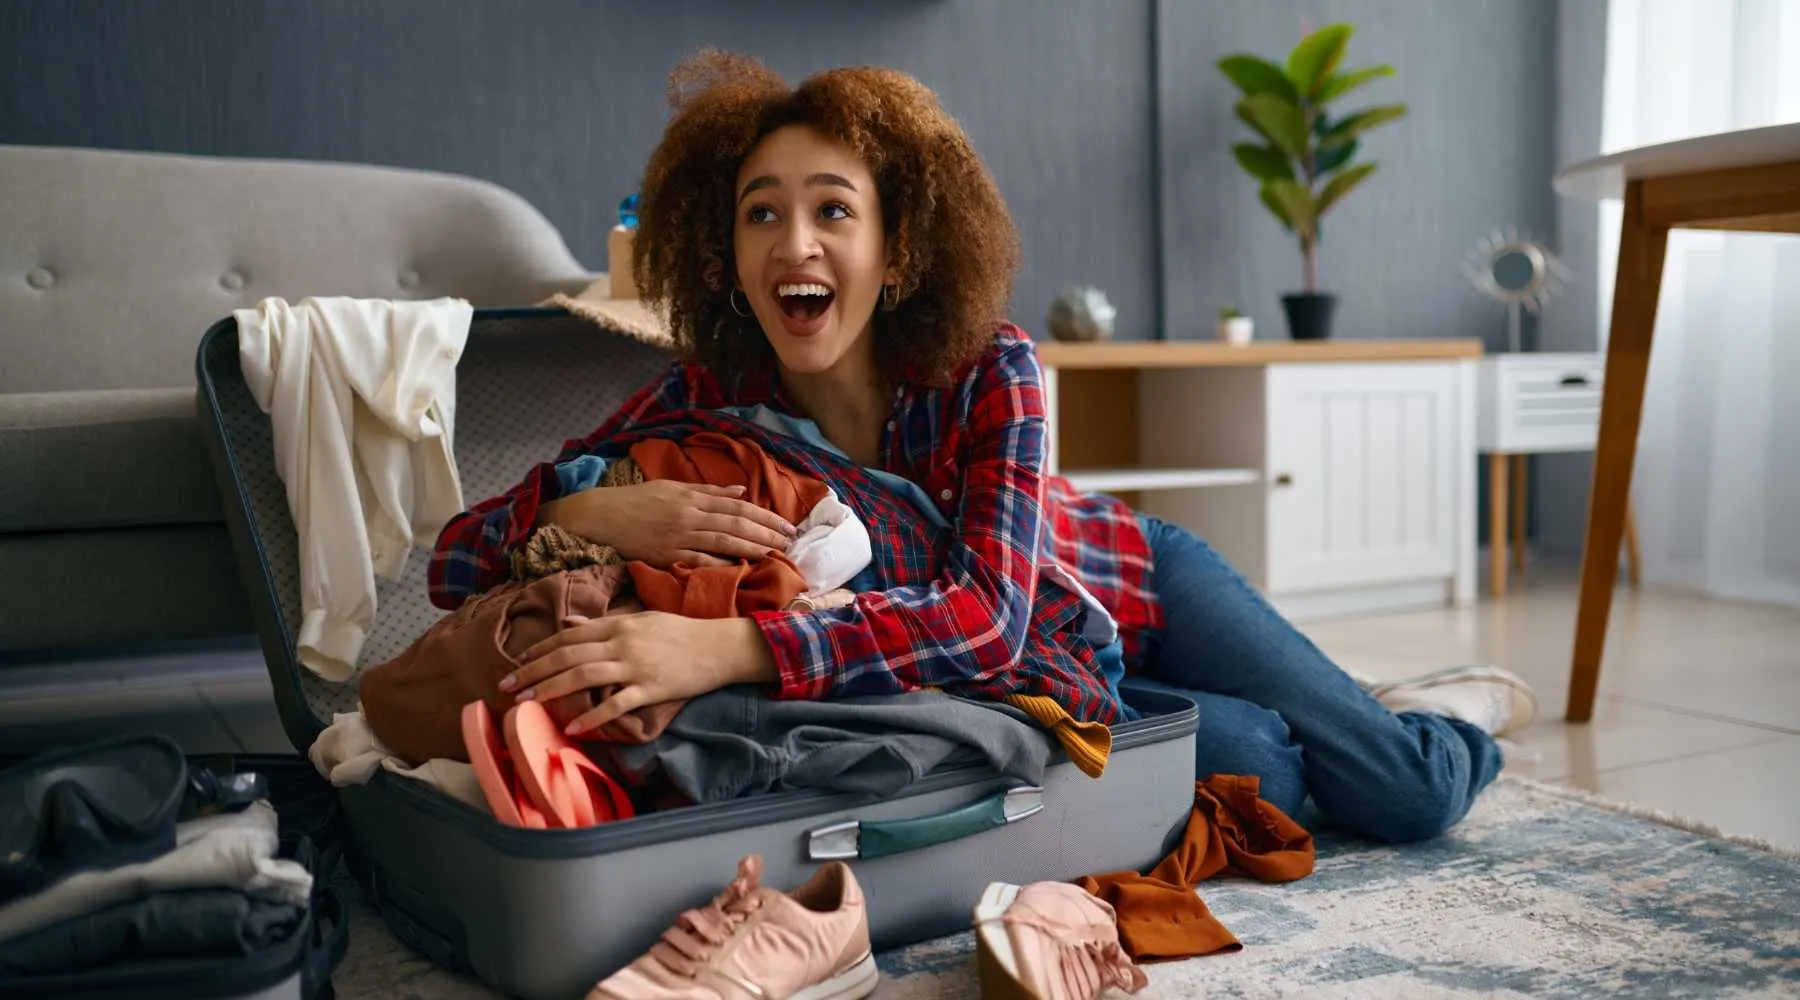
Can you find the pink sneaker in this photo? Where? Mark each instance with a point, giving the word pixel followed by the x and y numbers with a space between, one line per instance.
pixel 1050 941
pixel 757 943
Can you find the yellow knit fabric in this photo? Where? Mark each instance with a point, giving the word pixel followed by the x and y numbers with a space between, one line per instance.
pixel 1088 744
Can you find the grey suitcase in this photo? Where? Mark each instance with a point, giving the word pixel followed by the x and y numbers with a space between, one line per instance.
pixel 547 913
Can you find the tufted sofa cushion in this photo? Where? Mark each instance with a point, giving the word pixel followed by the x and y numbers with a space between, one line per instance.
pixel 112 267
pixel 112 264
pixel 107 459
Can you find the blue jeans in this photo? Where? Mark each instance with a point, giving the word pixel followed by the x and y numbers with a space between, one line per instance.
pixel 1273 705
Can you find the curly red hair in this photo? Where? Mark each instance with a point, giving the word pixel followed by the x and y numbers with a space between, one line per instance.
pixel 954 247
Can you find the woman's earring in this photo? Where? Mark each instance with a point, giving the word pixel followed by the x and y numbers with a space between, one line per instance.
pixel 733 297
pixel 890 297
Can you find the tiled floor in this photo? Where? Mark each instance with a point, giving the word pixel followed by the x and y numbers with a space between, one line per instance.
pixel 1699 708
pixel 1699 712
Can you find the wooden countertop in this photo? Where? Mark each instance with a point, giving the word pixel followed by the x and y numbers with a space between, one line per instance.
pixel 1217 354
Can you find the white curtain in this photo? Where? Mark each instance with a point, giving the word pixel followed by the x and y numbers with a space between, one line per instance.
pixel 1717 486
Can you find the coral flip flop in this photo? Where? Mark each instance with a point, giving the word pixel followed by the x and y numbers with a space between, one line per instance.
pixel 494 769
pixel 558 777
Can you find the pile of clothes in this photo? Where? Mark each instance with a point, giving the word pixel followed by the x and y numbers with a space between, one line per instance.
pixel 119 854
pixel 436 711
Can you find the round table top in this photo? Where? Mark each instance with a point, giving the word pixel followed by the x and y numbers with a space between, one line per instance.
pixel 1605 176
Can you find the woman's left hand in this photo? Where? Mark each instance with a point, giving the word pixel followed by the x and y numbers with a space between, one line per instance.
pixel 650 657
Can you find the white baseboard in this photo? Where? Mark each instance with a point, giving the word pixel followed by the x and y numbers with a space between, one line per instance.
pixel 1356 602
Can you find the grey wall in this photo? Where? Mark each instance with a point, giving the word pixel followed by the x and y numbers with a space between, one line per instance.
pixel 1475 152
pixel 561 100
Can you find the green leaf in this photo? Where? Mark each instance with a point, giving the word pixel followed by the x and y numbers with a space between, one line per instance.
pixel 1276 208
pixel 1316 56
pixel 1339 84
pixel 1265 163
pixel 1342 185
pixel 1298 209
pixel 1332 157
pixel 1279 121
pixel 1350 127
pixel 1258 76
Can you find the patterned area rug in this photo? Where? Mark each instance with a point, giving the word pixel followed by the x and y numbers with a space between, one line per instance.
pixel 1540 892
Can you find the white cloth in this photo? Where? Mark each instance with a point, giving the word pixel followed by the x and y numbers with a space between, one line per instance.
pixel 349 753
pixel 361 394
pixel 832 546
pixel 228 851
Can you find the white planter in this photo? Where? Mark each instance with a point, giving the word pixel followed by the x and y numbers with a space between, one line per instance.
pixel 1236 331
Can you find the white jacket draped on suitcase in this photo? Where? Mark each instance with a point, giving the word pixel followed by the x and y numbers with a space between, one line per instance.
pixel 361 396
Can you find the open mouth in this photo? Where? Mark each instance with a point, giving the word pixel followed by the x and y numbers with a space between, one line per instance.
pixel 803 300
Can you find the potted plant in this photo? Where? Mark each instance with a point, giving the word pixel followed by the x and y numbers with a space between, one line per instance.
pixel 1302 162
pixel 1234 327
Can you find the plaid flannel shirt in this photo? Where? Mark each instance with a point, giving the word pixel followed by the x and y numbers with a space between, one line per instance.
pixel 967 609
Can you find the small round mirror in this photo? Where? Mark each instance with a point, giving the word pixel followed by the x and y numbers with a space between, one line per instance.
pixel 1515 271
pixel 1518 272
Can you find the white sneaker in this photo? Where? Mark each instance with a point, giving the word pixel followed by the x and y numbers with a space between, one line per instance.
pixel 1495 700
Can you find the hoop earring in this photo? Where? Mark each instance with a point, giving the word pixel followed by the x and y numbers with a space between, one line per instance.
pixel 890 297
pixel 733 298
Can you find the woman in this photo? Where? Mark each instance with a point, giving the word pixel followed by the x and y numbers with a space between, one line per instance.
pixel 839 253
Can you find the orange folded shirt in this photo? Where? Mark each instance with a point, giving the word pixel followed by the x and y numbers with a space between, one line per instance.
pixel 1231 831
pixel 768 584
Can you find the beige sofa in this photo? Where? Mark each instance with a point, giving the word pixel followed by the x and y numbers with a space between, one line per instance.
pixel 112 266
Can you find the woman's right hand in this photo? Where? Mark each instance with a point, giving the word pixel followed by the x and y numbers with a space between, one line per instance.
pixel 663 522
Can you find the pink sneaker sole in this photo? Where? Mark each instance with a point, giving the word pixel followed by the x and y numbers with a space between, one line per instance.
pixel 853 983
pixel 997 965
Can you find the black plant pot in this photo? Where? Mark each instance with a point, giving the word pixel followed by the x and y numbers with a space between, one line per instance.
pixel 1309 314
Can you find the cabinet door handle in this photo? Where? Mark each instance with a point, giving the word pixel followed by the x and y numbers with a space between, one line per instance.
pixel 1284 479
pixel 1571 381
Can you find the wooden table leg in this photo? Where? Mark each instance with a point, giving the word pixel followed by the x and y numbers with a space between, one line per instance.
pixel 1634 559
pixel 1497 495
pixel 1521 493
pixel 1639 283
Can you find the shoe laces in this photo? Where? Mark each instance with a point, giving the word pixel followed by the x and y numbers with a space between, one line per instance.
pixel 697 933
pixel 1088 966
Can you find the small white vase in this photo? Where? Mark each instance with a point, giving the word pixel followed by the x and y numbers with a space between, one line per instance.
pixel 1236 330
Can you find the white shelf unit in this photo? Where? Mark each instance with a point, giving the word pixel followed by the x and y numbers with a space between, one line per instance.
pixel 1124 480
pixel 1337 487
pixel 1368 497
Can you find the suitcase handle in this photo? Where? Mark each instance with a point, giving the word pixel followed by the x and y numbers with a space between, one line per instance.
pixel 864 840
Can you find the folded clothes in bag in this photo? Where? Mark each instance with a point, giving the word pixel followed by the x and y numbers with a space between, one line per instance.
pixel 231 850
pixel 188 923
pixel 190 944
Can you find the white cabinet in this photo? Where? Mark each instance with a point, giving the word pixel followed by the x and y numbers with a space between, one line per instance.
pixel 1363 493
pixel 1362 487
